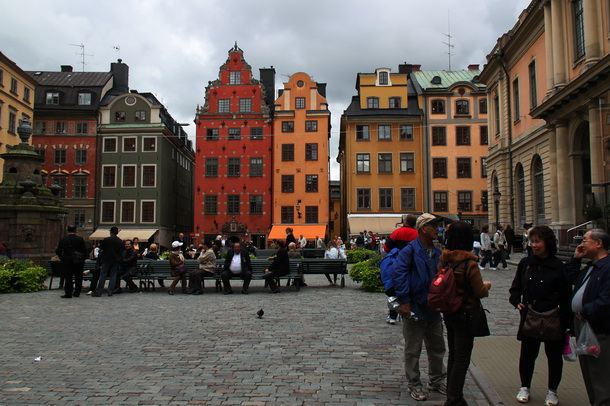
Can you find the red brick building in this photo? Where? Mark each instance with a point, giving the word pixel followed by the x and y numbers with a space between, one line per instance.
pixel 233 179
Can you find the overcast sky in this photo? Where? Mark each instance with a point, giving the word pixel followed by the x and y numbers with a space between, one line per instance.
pixel 174 47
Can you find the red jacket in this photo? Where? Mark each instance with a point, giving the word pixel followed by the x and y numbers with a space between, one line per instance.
pixel 400 238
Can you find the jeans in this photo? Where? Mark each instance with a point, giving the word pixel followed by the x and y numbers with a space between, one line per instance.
pixel 415 333
pixel 460 343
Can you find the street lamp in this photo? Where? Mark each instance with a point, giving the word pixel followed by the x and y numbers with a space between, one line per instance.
pixel 497 195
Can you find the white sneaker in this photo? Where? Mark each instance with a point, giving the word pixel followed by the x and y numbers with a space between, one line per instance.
pixel 482 268
pixel 492 269
pixel 551 399
pixel 524 395
pixel 390 320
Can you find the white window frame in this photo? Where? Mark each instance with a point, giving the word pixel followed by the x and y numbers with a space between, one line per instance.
pixel 144 143
pixel 115 175
pixel 142 175
pixel 134 212
pixel 116 144
pixel 83 101
pixel 102 212
pixel 135 176
pixel 142 211
pixel 135 147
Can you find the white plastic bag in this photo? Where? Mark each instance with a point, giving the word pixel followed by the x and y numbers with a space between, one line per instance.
pixel 587 343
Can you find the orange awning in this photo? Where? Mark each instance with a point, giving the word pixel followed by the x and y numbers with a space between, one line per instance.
pixel 309 231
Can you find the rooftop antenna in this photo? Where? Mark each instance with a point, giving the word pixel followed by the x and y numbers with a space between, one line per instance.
pixel 82 53
pixel 448 35
pixel 117 48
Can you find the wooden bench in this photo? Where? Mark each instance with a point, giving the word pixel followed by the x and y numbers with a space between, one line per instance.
pixel 318 266
pixel 313 252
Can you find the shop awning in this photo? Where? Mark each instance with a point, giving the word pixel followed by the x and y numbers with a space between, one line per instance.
pixel 124 234
pixel 309 231
pixel 381 224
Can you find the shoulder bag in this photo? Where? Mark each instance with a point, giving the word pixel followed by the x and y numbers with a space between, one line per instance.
pixel 475 316
pixel 545 326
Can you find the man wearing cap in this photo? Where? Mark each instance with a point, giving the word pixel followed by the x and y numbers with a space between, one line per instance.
pixel 415 266
pixel 111 256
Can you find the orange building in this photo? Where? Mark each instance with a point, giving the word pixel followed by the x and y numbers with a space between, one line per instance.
pixel 300 159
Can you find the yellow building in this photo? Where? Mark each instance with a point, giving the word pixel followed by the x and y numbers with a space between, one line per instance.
pixel 16 102
pixel 301 131
pixel 381 152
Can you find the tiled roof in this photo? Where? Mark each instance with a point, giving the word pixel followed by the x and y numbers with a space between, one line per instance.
pixel 446 79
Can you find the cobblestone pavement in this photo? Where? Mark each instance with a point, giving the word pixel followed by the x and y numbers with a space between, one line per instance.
pixel 320 346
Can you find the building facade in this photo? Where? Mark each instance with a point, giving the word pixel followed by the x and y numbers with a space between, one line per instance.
pixel 381 152
pixel 233 165
pixel 548 89
pixel 300 159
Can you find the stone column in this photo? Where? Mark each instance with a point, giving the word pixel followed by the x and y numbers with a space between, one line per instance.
pixel 564 180
pixel 559 43
pixel 553 174
pixel 595 152
pixel 548 45
pixel 591 13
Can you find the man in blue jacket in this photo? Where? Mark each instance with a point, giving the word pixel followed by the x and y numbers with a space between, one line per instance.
pixel 414 269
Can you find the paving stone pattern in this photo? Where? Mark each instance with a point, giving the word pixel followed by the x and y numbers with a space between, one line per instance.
pixel 320 346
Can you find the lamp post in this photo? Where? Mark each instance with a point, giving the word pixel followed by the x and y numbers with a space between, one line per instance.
pixel 497 195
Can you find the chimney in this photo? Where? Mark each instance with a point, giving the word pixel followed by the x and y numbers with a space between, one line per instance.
pixel 322 89
pixel 120 73
pixel 66 68
pixel 408 68
pixel 473 67
pixel 268 82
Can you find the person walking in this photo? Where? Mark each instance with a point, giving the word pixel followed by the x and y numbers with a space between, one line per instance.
pixel 485 247
pixel 112 249
pixel 471 288
pixel 415 266
pixel 72 252
pixel 540 285
pixel 500 254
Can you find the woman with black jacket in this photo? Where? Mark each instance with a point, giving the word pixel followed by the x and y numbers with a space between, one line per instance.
pixel 540 284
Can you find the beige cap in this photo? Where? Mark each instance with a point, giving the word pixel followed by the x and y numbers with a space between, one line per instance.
pixel 427 219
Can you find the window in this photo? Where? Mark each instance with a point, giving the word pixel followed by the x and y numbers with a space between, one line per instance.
pixel 439 136
pixel 12 121
pixel 372 102
pixel 462 107
pixel 120 116
pixel 579 30
pixel 407 198
pixel 52 98
pixel 287 152
pixel 235 77
pixel 538 185
pixel 1 77
pixel 311 125
pixel 149 144
pixel 245 105
pixel 210 204
pixel 406 132
pixel 383 78
pixel 256 166
pixel 407 162
pixel 128 211
pixel 484 136
pixel 79 187
pixel 82 127
pixel 533 90
pixel 288 126
pixel 149 175
pixel 440 201
pixel 84 99
pixel 256 133
pixel 362 133
pixel 108 176
pixel 385 163
pixel 386 198
pixel 463 168
pixel 26 94
pixel 299 102
pixel 311 183
pixel 140 115
pixel 311 152
pixel 287 214
pixel 60 127
pixel 464 201
pixel 40 126
pixel 484 207
pixel 395 102
pixel 14 85
pixel 462 135
pixel 439 167
pixel 256 204
pixel 311 214
pixel 363 163
pixel 80 157
pixel 516 103
pixel 234 133
pixel 110 145
pixel 211 167
pixel 438 106
pixel 59 157
pixel 63 182
pixel 483 167
pixel 483 106
pixel 79 218
pixel 497 114
pixel 224 105
pixel 211 134
pixel 129 175
pixel 385 132
pixel 148 211
pixel 107 212
pixel 287 183
pixel 234 166
pixel 232 204
pixel 522 204
pixel 363 199
pixel 129 144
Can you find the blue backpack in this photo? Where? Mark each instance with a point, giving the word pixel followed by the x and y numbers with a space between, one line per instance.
pixel 386 268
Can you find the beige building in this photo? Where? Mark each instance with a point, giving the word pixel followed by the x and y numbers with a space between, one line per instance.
pixel 548 89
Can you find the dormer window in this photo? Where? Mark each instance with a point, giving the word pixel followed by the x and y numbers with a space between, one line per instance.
pixel 436 80
pixel 53 98
pixel 84 99
pixel 383 78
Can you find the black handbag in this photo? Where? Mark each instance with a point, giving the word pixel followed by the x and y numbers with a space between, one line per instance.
pixel 477 321
pixel 544 326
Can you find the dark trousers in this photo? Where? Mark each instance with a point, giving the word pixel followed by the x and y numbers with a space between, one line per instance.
pixel 269 277
pixel 109 271
pixel 196 282
pixel 486 258
pixel 500 256
pixel 74 279
pixel 460 343
pixel 527 360
pixel 226 276
pixel 595 371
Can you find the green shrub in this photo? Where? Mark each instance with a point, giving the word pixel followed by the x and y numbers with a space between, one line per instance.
pixel 18 275
pixel 358 255
pixel 367 273
pixel 5 281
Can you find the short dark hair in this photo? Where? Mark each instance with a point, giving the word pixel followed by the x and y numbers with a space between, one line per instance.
pixel 280 244
pixel 485 228
pixel 459 236
pixel 547 235
pixel 71 228
pixel 114 230
pixel 208 243
pixel 602 235
pixel 129 241
pixel 411 220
